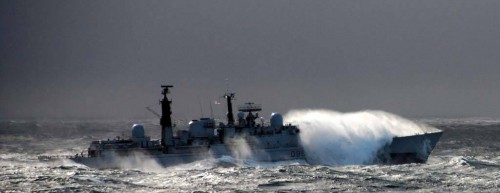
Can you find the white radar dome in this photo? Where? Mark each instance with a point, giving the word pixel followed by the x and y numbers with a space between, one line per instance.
pixel 137 131
pixel 276 120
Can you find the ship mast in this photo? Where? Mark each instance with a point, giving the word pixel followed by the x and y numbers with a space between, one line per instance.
pixel 166 119
pixel 230 118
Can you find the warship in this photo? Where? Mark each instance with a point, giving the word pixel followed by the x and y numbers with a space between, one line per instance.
pixel 241 139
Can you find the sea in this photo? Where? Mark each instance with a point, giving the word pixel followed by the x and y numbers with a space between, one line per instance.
pixel 338 148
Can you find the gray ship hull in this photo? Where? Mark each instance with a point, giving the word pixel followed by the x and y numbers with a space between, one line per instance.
pixel 165 159
pixel 410 149
pixel 407 149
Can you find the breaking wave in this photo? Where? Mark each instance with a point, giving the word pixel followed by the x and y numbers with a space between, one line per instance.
pixel 336 138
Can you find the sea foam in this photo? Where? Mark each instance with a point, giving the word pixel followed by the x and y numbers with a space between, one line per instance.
pixel 336 138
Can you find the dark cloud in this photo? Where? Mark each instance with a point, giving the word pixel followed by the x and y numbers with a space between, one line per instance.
pixel 107 59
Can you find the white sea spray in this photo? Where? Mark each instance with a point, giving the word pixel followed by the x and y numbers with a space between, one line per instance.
pixel 335 138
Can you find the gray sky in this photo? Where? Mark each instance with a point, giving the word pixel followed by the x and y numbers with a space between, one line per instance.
pixel 91 59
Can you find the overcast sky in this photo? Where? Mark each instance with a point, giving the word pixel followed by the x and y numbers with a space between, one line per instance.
pixel 101 59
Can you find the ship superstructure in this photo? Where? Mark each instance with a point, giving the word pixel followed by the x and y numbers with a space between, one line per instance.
pixel 244 138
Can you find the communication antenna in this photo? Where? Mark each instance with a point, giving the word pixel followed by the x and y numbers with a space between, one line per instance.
pixel 152 111
pixel 227 85
pixel 211 109
pixel 201 107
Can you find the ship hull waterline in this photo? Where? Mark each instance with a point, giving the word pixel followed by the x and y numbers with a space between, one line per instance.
pixel 407 149
pixel 139 159
pixel 410 149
